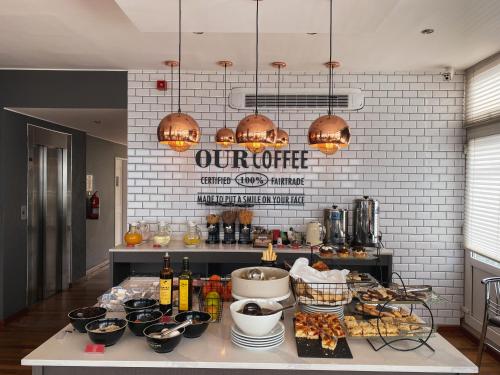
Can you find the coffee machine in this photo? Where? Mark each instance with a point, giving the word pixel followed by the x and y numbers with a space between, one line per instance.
pixel 365 222
pixel 336 222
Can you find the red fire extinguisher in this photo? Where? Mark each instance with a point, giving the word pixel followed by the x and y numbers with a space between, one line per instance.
pixel 93 206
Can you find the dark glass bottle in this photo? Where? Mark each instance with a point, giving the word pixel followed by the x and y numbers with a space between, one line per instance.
pixel 166 286
pixel 185 287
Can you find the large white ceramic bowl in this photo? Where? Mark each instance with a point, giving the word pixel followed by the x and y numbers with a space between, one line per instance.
pixel 275 284
pixel 255 325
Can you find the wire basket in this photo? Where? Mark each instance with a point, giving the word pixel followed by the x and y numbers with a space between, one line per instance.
pixel 321 294
pixel 212 295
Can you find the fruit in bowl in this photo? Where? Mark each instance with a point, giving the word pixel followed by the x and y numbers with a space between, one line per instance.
pixel 256 325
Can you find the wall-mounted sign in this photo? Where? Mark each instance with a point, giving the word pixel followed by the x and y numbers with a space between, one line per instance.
pixel 253 179
pixel 236 159
pixel 294 159
pixel 251 199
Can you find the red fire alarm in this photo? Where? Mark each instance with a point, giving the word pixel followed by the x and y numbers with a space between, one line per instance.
pixel 161 84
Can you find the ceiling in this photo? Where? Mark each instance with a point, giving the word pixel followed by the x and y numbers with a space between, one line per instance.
pixel 369 35
pixel 109 124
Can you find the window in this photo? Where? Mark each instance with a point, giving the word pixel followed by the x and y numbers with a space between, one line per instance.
pixel 482 98
pixel 482 197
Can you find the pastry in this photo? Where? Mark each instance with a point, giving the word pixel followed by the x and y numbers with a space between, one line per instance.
pixel 320 266
pixel 344 253
pixel 326 251
pixel 359 253
pixel 356 331
pixel 314 326
pixel 328 342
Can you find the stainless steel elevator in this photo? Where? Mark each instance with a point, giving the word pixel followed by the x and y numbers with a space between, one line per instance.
pixel 49 213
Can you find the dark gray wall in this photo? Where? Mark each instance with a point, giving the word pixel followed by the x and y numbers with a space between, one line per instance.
pixel 43 89
pixel 63 89
pixel 15 188
pixel 101 156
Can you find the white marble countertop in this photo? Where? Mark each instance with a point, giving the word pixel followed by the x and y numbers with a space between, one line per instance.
pixel 215 350
pixel 178 245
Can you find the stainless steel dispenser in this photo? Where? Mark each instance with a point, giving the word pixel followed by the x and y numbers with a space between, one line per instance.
pixel 336 221
pixel 365 222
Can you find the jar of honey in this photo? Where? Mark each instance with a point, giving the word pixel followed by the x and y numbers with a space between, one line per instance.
pixel 133 236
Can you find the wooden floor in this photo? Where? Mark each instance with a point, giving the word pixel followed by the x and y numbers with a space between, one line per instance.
pixel 27 331
pixel 30 329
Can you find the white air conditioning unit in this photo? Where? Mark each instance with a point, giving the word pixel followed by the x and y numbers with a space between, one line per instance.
pixel 297 98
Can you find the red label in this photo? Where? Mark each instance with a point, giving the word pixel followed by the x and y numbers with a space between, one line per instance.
pixel 165 319
pixel 94 348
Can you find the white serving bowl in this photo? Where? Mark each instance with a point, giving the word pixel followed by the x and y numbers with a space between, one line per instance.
pixel 254 325
pixel 275 285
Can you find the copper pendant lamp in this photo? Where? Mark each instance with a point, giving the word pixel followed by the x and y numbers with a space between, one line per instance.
pixel 225 137
pixel 281 135
pixel 329 133
pixel 256 131
pixel 178 130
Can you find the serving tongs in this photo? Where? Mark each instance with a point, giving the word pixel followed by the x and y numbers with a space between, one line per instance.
pixel 167 332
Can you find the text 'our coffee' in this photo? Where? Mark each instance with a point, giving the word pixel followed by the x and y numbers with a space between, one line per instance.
pixel 295 159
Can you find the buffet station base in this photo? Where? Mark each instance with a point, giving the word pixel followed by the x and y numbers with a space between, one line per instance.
pixel 221 259
pixel 214 353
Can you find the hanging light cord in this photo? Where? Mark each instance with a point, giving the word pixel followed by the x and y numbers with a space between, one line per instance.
pixel 279 84
pixel 172 88
pixel 179 72
pixel 330 66
pixel 257 58
pixel 225 95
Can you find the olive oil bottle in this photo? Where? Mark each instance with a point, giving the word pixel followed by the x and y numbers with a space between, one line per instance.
pixel 185 287
pixel 166 286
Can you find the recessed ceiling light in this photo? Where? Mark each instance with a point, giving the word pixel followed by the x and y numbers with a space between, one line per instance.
pixel 312 33
pixel 427 31
pixel 198 32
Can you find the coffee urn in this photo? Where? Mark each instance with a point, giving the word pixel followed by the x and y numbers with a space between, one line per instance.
pixel 365 222
pixel 336 221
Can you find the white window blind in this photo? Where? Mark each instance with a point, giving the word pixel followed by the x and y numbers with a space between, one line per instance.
pixel 482 197
pixel 482 93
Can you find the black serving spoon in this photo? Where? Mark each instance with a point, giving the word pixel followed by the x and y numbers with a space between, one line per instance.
pixel 251 308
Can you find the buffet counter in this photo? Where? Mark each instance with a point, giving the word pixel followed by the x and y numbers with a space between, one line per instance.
pixel 213 353
pixel 221 259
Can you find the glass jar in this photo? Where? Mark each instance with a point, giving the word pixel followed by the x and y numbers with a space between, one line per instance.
pixel 193 235
pixel 163 235
pixel 145 230
pixel 133 236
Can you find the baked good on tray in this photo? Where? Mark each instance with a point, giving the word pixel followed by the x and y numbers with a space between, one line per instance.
pixel 328 341
pixel 386 326
pixel 314 326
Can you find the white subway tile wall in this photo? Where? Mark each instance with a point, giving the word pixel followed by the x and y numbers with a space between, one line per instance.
pixel 406 151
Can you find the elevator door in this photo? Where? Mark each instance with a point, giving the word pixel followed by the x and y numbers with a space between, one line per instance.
pixel 47 212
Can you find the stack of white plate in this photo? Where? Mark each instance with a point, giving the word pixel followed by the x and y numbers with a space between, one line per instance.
pixel 339 310
pixel 272 340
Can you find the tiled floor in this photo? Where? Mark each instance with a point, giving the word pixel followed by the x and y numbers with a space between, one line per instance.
pixel 27 331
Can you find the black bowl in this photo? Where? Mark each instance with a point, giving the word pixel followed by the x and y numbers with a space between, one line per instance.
pixel 140 304
pixel 138 320
pixel 79 318
pixel 165 344
pixel 105 338
pixel 196 329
